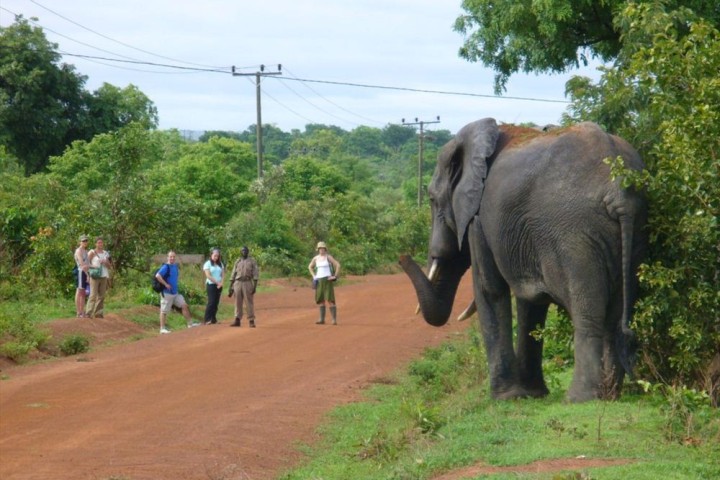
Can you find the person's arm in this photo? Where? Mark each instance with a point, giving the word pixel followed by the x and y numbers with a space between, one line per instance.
pixel 336 266
pixel 256 276
pixel 231 290
pixel 206 270
pixel 160 278
pixel 311 267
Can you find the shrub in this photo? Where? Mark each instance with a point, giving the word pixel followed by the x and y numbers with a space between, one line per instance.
pixel 74 344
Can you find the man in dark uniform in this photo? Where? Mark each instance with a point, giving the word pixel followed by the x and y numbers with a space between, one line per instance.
pixel 243 283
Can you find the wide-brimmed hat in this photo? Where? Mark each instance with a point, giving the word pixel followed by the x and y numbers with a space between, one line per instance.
pixel 83 238
pixel 321 245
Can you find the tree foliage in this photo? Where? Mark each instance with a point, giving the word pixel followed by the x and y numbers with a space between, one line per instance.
pixel 44 106
pixel 664 95
pixel 551 36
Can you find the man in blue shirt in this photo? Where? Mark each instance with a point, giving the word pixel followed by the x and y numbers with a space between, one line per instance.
pixel 169 276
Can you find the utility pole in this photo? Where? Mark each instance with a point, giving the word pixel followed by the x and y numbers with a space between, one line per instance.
pixel 258 126
pixel 420 153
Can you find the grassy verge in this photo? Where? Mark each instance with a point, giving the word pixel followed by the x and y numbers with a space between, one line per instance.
pixel 436 417
pixel 21 322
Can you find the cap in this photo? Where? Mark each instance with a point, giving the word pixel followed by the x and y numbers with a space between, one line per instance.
pixel 83 238
pixel 321 245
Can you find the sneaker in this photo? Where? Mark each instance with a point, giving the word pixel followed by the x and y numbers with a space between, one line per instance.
pixel 193 324
pixel 164 331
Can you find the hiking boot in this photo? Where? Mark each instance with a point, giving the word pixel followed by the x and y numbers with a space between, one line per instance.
pixel 236 324
pixel 252 323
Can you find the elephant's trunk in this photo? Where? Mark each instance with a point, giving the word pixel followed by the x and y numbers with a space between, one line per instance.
pixel 436 298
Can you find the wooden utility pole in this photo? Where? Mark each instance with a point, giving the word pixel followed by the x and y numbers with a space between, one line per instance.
pixel 420 152
pixel 258 126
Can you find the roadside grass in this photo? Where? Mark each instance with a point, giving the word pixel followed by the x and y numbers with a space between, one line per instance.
pixel 437 416
pixel 21 321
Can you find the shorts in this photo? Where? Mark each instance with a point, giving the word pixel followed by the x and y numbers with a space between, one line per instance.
pixel 82 280
pixel 167 301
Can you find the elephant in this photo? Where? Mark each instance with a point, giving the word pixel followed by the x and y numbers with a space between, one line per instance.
pixel 537 215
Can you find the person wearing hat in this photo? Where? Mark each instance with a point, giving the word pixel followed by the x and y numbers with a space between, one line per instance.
pixel 98 258
pixel 324 270
pixel 243 283
pixel 81 281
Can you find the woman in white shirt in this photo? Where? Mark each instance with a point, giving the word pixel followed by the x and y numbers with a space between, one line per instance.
pixel 324 270
pixel 99 260
pixel 214 275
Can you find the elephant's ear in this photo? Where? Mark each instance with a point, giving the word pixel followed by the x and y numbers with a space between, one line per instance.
pixel 477 142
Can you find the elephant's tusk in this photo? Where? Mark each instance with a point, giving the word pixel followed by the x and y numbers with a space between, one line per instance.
pixel 468 312
pixel 431 276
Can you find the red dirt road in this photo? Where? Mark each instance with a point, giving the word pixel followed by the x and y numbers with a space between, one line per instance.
pixel 213 401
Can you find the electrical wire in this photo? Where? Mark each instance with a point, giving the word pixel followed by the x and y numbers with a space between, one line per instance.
pixel 118 41
pixel 333 103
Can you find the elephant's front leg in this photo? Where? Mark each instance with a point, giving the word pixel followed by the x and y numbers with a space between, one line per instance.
pixel 493 301
pixel 531 317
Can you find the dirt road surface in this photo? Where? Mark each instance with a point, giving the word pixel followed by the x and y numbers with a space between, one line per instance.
pixel 213 401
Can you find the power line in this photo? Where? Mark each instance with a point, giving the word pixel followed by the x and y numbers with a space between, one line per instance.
pixel 440 92
pixel 347 84
pixel 153 64
pixel 331 102
pixel 114 40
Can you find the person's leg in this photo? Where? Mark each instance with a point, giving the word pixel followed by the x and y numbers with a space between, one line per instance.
pixel 330 298
pixel 92 302
pixel 179 302
pixel 210 289
pixel 80 302
pixel 102 290
pixel 238 304
pixel 165 306
pixel 333 313
pixel 250 300
pixel 215 304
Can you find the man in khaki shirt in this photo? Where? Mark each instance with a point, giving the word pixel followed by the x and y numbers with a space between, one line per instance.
pixel 243 283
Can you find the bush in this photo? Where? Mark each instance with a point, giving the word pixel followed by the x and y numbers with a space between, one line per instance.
pixel 74 344
pixel 663 95
pixel 20 336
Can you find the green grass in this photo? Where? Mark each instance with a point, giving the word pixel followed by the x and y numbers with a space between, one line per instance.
pixel 437 416
pixel 21 322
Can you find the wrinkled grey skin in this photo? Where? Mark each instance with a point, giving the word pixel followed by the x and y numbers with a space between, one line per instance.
pixel 537 214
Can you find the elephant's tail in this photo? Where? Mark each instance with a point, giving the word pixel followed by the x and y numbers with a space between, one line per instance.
pixel 627 346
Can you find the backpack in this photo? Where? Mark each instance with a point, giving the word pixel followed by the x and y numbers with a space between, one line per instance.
pixel 156 285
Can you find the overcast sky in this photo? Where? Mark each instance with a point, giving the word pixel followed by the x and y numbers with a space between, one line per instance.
pixel 371 62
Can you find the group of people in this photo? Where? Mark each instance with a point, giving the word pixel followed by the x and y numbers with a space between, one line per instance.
pixel 243 283
pixel 93 274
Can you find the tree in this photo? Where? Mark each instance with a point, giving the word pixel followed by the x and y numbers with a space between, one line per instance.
pixel 110 108
pixel 44 106
pixel 664 95
pixel 40 99
pixel 551 36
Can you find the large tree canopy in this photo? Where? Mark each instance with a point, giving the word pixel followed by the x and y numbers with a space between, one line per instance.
pixel 549 36
pixel 44 106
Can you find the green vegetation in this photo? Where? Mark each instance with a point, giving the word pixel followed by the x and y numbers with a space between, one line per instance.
pixel 99 167
pixel 74 344
pixel 436 417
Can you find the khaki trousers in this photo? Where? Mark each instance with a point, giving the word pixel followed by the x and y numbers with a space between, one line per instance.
pixel 244 294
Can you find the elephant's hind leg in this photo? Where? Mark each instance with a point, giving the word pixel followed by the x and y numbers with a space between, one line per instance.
pixel 531 317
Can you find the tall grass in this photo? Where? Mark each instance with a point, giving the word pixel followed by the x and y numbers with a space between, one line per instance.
pixel 437 416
